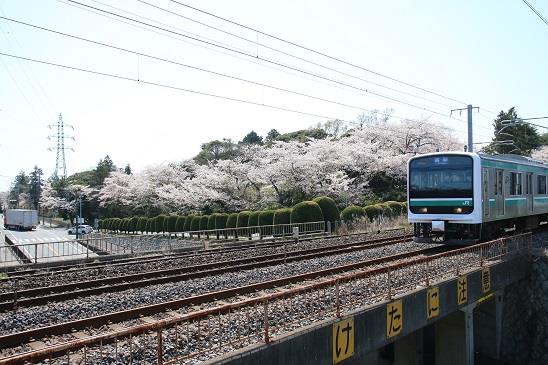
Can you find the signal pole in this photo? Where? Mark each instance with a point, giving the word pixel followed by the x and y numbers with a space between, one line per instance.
pixel 469 108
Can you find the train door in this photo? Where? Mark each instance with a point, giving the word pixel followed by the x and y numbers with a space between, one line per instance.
pixel 485 183
pixel 499 192
pixel 529 191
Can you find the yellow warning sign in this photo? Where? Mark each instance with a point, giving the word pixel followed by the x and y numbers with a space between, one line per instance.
pixel 394 318
pixel 462 290
pixel 343 340
pixel 486 280
pixel 433 302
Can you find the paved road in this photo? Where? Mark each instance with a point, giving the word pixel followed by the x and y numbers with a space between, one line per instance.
pixel 47 244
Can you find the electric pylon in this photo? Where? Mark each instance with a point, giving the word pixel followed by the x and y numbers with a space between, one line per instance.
pixel 59 137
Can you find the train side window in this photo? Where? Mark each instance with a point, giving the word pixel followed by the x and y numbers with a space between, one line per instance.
pixel 515 183
pixel 541 184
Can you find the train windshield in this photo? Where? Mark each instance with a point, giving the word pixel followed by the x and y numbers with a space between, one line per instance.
pixel 441 177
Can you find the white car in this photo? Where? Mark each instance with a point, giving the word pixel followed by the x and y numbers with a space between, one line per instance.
pixel 82 229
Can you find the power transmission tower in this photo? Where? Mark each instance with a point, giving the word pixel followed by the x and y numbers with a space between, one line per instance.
pixel 59 138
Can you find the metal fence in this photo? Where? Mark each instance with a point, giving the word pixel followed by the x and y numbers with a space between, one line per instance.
pixel 40 252
pixel 219 329
pixel 101 244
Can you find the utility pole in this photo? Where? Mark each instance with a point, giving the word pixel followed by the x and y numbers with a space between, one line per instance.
pixel 469 108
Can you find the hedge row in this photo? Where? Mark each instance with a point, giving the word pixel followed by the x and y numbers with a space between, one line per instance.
pixel 320 209
pixel 386 209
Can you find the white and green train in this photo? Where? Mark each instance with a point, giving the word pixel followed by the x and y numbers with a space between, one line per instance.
pixel 460 197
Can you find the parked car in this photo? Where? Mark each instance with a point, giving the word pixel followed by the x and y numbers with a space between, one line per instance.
pixel 82 229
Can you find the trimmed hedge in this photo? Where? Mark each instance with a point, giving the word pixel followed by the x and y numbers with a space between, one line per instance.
pixel 221 220
pixel 266 218
pixel 307 211
pixel 133 224
pixel 372 211
pixel 329 208
pixel 395 206
pixel 211 221
pixel 142 224
pixel 254 218
pixel 149 225
pixel 386 210
pixel 159 223
pixel 188 223
pixel 203 222
pixel 352 213
pixel 171 222
pixel 195 223
pixel 282 216
pixel 232 220
pixel 243 219
pixel 180 223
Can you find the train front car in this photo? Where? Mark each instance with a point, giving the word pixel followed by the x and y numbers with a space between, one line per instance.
pixel 444 197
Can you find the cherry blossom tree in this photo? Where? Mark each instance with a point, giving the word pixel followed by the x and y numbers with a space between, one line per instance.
pixel 279 173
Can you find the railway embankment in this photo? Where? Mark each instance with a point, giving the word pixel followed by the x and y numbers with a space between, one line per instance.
pixel 525 318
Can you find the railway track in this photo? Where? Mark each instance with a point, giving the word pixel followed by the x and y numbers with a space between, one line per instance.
pixel 94 264
pixel 221 325
pixel 186 304
pixel 55 293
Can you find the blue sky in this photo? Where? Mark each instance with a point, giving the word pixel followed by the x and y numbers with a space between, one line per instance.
pixel 492 54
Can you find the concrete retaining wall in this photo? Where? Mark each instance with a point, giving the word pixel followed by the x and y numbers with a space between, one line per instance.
pixel 525 319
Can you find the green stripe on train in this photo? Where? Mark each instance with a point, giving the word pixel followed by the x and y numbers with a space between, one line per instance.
pixel 442 203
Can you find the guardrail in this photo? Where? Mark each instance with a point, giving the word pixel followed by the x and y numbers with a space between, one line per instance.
pixel 18 253
pixel 223 328
pixel 99 244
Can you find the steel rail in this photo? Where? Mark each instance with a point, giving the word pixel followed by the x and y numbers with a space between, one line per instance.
pixel 487 251
pixel 54 293
pixel 97 321
pixel 142 257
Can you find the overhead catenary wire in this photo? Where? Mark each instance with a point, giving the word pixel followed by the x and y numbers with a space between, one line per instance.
pixel 536 12
pixel 172 87
pixel 289 54
pixel 319 53
pixel 266 60
pixel 122 49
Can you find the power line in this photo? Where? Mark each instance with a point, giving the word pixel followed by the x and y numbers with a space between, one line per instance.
pixel 264 59
pixel 536 12
pixel 319 53
pixel 289 54
pixel 172 87
pixel 187 66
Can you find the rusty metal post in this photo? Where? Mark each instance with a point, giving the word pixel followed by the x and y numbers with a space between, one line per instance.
pixel 130 349
pixel 266 337
pixel 337 298
pixel 427 272
pixel 15 295
pixel 160 347
pixel 389 284
pixel 221 331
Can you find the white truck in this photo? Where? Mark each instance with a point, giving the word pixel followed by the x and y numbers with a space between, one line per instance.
pixel 20 219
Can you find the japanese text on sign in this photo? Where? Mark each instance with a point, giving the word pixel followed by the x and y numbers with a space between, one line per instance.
pixel 343 340
pixel 462 290
pixel 394 318
pixel 433 302
pixel 485 280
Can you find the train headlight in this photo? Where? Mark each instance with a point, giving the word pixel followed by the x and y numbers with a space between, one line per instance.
pixel 457 210
pixel 423 210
